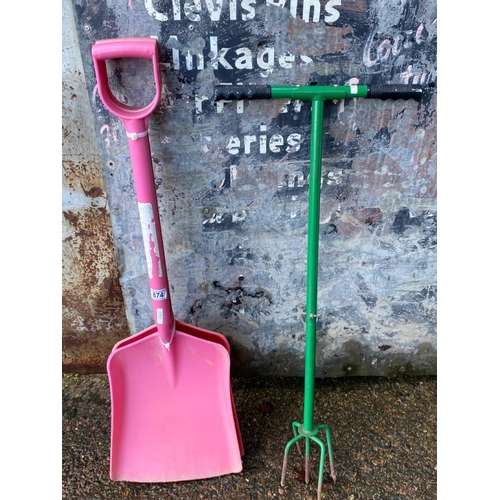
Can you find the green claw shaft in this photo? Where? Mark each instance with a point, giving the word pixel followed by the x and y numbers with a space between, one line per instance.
pixel 318 94
pixel 312 260
pixel 308 430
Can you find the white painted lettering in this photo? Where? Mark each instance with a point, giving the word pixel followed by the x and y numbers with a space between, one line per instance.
pixel 233 146
pixel 245 61
pixel 220 105
pixel 176 4
pixel 277 3
pixel 230 58
pixel 334 14
pixel 293 141
pixel 284 108
pixel 249 10
pixel 297 106
pixel 232 10
pixel 214 50
pixel 286 60
pixel 306 10
pixel 263 140
pixel 221 57
pixel 265 58
pixel 275 142
pixel 159 16
pixel 247 140
pixel 192 9
pixel 199 103
pixel 175 52
pixel 214 10
pixel 189 61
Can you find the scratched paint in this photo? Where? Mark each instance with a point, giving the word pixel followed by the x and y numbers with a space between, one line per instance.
pixel 150 240
pixel 232 178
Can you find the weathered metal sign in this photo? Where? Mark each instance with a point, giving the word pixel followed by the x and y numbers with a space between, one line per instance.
pixel 232 177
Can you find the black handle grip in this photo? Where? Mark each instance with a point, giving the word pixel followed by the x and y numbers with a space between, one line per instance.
pixel 395 92
pixel 238 92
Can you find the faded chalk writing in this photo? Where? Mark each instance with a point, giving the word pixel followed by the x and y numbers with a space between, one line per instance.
pixel 389 50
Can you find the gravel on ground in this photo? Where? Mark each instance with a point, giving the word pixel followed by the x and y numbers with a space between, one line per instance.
pixel 384 433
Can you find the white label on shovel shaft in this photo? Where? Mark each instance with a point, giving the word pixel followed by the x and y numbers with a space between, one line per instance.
pixel 150 239
pixel 159 294
pixel 159 316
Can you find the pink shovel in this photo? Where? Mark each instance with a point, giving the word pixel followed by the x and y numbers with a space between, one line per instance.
pixel 172 410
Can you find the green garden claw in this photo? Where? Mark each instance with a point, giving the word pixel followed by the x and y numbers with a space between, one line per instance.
pixel 317 94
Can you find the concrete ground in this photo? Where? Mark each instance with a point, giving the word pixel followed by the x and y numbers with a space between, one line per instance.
pixel 384 433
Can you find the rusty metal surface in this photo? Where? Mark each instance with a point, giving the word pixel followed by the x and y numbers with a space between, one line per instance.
pixel 93 313
pixel 232 179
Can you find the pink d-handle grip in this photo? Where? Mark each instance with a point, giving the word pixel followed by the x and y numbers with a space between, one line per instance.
pixel 135 120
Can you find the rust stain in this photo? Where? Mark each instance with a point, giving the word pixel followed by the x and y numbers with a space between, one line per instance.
pixel 71 218
pixel 94 192
pixel 356 6
pixel 93 312
pixel 92 262
pixel 369 216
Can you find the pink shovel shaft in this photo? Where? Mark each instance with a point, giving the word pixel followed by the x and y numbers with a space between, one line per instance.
pixel 142 168
pixel 135 120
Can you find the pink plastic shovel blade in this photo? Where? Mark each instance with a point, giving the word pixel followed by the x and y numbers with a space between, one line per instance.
pixel 199 333
pixel 164 431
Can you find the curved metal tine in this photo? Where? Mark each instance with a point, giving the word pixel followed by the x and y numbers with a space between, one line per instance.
pixel 296 432
pixel 307 461
pixel 285 458
pixel 321 465
pixel 330 450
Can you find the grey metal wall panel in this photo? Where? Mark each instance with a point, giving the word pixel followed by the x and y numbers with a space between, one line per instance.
pixel 232 178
